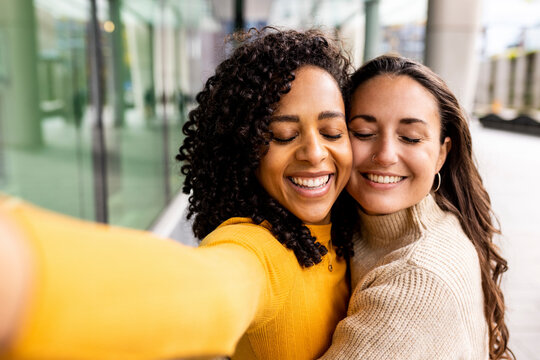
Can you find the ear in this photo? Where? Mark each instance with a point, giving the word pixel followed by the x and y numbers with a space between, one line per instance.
pixel 445 149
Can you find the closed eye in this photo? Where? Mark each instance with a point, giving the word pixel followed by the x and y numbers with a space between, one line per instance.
pixel 362 136
pixel 283 141
pixel 332 137
pixel 410 140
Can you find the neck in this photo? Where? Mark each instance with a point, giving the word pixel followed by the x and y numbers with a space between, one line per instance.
pixel 402 226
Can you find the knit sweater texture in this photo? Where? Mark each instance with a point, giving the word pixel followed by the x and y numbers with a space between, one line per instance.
pixel 417 290
pixel 101 292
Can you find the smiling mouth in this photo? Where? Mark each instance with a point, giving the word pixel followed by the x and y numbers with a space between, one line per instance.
pixel 380 179
pixel 311 183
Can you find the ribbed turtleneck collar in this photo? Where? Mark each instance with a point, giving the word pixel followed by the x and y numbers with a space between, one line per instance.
pixel 404 226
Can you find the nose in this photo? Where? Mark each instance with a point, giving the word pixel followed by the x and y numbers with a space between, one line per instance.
pixel 312 148
pixel 385 153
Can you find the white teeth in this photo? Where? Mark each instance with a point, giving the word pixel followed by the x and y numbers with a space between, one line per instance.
pixel 311 183
pixel 384 179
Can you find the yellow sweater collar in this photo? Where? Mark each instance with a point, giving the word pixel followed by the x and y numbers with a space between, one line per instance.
pixel 321 232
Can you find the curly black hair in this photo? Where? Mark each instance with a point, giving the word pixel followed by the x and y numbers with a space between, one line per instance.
pixel 228 133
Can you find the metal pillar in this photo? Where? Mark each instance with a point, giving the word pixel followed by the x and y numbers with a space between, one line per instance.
pixel 118 70
pixel 372 29
pixel 453 27
pixel 164 103
pixel 238 15
pixel 99 160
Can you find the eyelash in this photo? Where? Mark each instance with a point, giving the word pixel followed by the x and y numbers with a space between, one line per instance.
pixel 362 136
pixel 288 140
pixel 283 141
pixel 410 140
pixel 332 137
pixel 404 138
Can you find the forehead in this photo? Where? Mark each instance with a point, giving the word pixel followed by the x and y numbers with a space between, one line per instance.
pixel 394 97
pixel 312 87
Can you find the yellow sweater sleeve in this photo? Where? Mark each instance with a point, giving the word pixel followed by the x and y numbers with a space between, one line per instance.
pixel 107 293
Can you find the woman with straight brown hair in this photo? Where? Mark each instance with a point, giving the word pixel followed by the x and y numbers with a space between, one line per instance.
pixel 425 273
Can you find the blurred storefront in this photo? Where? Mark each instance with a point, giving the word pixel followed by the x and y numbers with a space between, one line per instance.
pixel 93 93
pixel 508 86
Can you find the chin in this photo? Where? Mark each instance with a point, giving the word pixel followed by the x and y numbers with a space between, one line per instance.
pixel 313 215
pixel 382 209
pixel 378 205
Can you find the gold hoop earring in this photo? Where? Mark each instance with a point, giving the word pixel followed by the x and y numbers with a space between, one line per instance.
pixel 439 184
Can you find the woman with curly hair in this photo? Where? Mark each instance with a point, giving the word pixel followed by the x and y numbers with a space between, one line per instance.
pixel 426 274
pixel 266 155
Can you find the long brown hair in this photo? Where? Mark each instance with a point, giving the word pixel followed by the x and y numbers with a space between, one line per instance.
pixel 461 191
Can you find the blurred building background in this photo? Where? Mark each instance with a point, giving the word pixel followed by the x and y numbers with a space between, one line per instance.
pixel 93 95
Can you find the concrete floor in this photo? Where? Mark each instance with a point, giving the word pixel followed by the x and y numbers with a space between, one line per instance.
pixel 510 166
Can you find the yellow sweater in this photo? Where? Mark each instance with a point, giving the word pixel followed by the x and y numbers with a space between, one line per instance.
pixel 101 292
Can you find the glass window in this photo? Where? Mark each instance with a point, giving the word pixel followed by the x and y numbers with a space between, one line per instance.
pixel 91 128
pixel 44 141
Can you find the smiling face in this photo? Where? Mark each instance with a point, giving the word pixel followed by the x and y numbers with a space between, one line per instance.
pixel 309 158
pixel 395 132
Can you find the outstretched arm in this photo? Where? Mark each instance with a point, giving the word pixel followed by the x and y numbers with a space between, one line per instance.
pixel 101 292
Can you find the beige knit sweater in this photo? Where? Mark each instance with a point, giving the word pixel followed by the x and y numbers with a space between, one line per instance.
pixel 417 290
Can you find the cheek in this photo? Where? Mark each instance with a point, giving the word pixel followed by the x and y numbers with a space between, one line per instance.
pixel 273 166
pixel 360 152
pixel 423 162
pixel 343 154
pixel 267 167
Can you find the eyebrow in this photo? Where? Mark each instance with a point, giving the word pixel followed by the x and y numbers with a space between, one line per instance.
pixel 412 121
pixel 330 114
pixel 295 118
pixel 372 119
pixel 285 118
pixel 368 118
